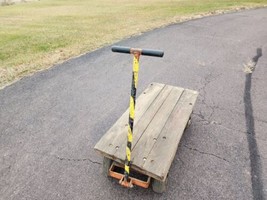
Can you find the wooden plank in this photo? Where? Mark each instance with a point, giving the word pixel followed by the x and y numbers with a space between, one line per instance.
pixel 107 144
pixel 150 135
pixel 160 158
pixel 143 123
pixel 150 122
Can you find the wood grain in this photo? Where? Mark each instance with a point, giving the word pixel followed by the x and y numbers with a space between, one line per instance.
pixel 162 112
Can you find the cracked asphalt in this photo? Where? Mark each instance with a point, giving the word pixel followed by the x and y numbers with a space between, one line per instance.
pixel 50 122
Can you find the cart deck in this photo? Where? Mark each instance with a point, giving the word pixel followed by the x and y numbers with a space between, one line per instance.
pixel 162 113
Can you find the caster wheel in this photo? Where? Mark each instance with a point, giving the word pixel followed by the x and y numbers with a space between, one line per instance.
pixel 159 186
pixel 105 166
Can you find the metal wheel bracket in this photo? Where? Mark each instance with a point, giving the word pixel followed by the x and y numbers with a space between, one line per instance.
pixel 117 171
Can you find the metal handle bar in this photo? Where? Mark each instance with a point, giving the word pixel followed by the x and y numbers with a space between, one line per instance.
pixel 145 52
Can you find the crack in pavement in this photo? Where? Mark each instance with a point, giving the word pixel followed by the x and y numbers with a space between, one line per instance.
pixel 209 122
pixel 206 153
pixel 207 80
pixel 235 112
pixel 66 159
pixel 77 160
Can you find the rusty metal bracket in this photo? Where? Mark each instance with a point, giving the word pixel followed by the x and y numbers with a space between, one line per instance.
pixel 132 180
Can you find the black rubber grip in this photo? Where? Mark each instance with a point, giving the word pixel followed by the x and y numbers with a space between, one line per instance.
pixel 145 52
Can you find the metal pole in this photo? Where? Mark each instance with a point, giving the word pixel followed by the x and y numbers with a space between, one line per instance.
pixel 136 57
pixel 126 181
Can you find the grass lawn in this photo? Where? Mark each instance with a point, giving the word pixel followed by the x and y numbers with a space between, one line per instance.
pixel 36 35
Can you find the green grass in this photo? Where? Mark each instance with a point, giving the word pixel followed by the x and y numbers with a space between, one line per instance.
pixel 36 35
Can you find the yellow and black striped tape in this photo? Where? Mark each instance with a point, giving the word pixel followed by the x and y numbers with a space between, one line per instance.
pixel 131 116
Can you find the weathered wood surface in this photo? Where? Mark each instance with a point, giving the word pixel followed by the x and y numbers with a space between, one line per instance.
pixel 162 112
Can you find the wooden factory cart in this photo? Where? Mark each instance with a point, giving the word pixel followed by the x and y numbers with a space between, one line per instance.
pixel 139 148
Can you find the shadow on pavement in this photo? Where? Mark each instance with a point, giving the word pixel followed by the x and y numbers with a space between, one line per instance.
pixel 255 162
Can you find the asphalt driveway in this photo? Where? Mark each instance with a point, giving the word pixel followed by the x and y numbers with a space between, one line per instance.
pixel 50 122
